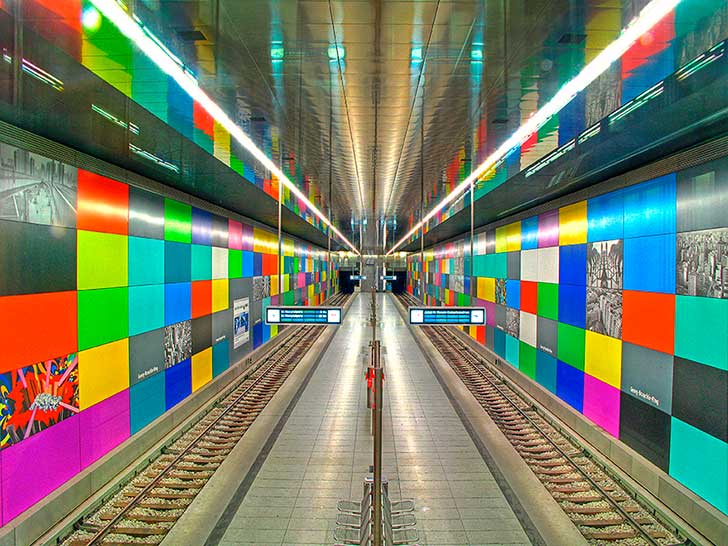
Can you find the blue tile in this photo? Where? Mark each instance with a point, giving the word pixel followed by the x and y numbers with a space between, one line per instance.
pixel 257 264
pixel 570 385
pixel 572 264
pixel 257 335
pixel 649 263
pixel 572 305
pixel 177 262
pixel 177 303
pixel 605 217
pixel 201 227
pixel 650 207
pixel 529 233
pixel 248 263
pixel 178 383
pixel 147 401
pixel 546 370
pixel 513 294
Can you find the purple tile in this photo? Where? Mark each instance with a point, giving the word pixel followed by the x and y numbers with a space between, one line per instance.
pixel 35 467
pixel 248 237
pixel 103 427
pixel 548 229
pixel 490 313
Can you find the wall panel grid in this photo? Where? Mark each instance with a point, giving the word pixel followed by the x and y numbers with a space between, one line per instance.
pixel 115 304
pixel 619 305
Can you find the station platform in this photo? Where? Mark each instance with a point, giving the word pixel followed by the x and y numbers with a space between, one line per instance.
pixel 324 449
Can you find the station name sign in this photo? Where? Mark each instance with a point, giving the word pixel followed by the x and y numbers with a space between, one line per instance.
pixel 358 277
pixel 463 316
pixel 303 315
pixel 388 277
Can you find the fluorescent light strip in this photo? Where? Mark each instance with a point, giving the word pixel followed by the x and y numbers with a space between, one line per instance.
pixel 650 15
pixel 116 12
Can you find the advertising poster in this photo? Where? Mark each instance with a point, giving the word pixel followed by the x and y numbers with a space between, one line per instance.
pixel 241 322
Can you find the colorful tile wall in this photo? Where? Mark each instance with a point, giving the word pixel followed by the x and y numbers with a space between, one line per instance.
pixel 619 305
pixel 127 303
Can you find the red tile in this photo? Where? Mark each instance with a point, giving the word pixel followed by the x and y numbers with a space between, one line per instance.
pixel 648 319
pixel 529 297
pixel 103 204
pixel 201 298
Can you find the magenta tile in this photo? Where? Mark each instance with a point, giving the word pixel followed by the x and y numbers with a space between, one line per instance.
pixel 601 404
pixel 490 313
pixel 235 235
pixel 301 281
pixel 103 427
pixel 248 237
pixel 2 520
pixel 548 229
pixel 35 467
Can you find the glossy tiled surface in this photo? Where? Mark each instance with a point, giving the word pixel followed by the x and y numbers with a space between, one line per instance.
pixel 325 448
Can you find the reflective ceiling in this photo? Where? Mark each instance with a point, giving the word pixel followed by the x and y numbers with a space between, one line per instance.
pixel 370 104
pixel 360 85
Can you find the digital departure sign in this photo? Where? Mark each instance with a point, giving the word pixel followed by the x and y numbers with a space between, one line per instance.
pixel 303 315
pixel 427 316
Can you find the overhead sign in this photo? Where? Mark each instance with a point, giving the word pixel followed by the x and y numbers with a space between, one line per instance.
pixel 303 315
pixel 388 277
pixel 358 277
pixel 424 316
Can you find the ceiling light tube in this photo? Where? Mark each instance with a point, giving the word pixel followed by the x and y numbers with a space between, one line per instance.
pixel 117 13
pixel 650 15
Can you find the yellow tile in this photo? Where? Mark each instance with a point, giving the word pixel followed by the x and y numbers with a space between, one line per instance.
pixel 486 288
pixel 201 368
pixel 513 237
pixel 102 372
pixel 603 358
pixel 572 224
pixel 219 295
pixel 274 285
pixel 501 239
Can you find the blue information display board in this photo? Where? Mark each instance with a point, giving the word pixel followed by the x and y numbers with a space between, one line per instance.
pixel 303 315
pixel 388 277
pixel 358 277
pixel 424 316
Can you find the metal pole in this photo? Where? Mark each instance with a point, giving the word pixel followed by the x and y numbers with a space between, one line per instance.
pixel 422 199
pixel 280 239
pixel 472 229
pixel 377 486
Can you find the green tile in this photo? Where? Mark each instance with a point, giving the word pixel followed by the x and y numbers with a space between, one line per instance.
pixel 201 257
pixel 177 221
pixel 463 300
pixel 235 264
pixel 527 360
pixel 700 330
pixel 571 345
pixel 548 300
pixel 700 462
pixel 103 316
pixel 103 260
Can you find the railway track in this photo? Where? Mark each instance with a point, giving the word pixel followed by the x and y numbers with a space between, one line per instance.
pixel 600 507
pixel 146 508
